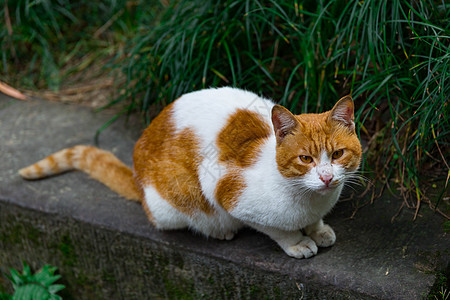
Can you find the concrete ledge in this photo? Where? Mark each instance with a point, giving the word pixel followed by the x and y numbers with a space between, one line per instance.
pixel 105 248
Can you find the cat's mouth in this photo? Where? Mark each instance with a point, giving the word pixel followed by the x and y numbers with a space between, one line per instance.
pixel 326 188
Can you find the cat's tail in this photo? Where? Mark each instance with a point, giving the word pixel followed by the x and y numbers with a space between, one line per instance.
pixel 99 164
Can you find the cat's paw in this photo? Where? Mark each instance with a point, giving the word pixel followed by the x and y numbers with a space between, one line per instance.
pixel 324 237
pixel 303 249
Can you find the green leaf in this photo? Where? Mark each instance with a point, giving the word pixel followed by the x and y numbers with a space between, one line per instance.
pixel 54 288
pixel 16 278
pixel 26 270
pixel 30 292
pixel 45 276
pixel 28 286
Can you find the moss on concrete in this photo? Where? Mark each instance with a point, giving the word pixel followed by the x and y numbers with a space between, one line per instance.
pixel 67 250
pixel 100 264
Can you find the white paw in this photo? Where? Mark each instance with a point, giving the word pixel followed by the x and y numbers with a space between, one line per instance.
pixel 324 237
pixel 303 249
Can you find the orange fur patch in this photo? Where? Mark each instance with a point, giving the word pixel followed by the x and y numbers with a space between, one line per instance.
pixel 240 139
pixel 52 164
pixel 38 170
pixel 169 162
pixel 229 188
pixel 313 134
pixel 68 155
pixel 108 169
pixel 239 143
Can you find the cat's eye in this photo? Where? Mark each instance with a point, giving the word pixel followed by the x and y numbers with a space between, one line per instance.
pixel 337 154
pixel 306 159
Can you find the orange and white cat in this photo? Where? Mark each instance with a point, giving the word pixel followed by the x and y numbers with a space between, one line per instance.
pixel 216 160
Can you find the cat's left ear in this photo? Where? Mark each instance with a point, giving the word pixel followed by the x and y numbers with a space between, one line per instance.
pixel 343 112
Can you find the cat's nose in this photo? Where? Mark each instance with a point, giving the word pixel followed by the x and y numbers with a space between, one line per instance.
pixel 326 178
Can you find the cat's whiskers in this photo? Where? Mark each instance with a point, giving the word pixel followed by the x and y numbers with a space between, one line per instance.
pixel 357 177
pixel 354 179
pixel 303 193
pixel 351 186
pixel 299 188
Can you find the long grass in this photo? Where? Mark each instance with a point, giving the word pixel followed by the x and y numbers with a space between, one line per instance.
pixel 44 43
pixel 392 56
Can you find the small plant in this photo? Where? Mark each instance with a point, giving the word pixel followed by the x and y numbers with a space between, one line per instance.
pixel 443 294
pixel 440 289
pixel 38 286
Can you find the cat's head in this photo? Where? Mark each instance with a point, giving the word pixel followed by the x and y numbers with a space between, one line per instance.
pixel 319 150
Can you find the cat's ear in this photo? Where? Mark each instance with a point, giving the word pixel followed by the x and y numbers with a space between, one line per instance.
pixel 343 112
pixel 284 122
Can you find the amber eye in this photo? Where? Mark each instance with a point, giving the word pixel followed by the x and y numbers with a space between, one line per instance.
pixel 337 154
pixel 306 159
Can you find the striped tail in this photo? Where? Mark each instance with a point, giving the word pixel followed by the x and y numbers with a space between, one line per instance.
pixel 99 164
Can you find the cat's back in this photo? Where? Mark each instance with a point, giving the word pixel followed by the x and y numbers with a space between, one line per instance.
pixel 208 111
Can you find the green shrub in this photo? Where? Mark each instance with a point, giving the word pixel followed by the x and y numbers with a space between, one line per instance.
pixel 38 286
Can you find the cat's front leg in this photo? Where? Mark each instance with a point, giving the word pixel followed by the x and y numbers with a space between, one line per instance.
pixel 294 243
pixel 321 233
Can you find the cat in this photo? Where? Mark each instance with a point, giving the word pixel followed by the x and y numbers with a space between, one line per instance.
pixel 216 160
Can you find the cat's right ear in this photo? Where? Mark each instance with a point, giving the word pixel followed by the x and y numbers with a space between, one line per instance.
pixel 343 112
pixel 284 122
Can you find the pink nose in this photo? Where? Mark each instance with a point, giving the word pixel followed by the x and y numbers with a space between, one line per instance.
pixel 326 178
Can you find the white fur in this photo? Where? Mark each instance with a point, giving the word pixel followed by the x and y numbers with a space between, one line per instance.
pixel 166 216
pixel 275 201
pixel 220 225
pixel 271 203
